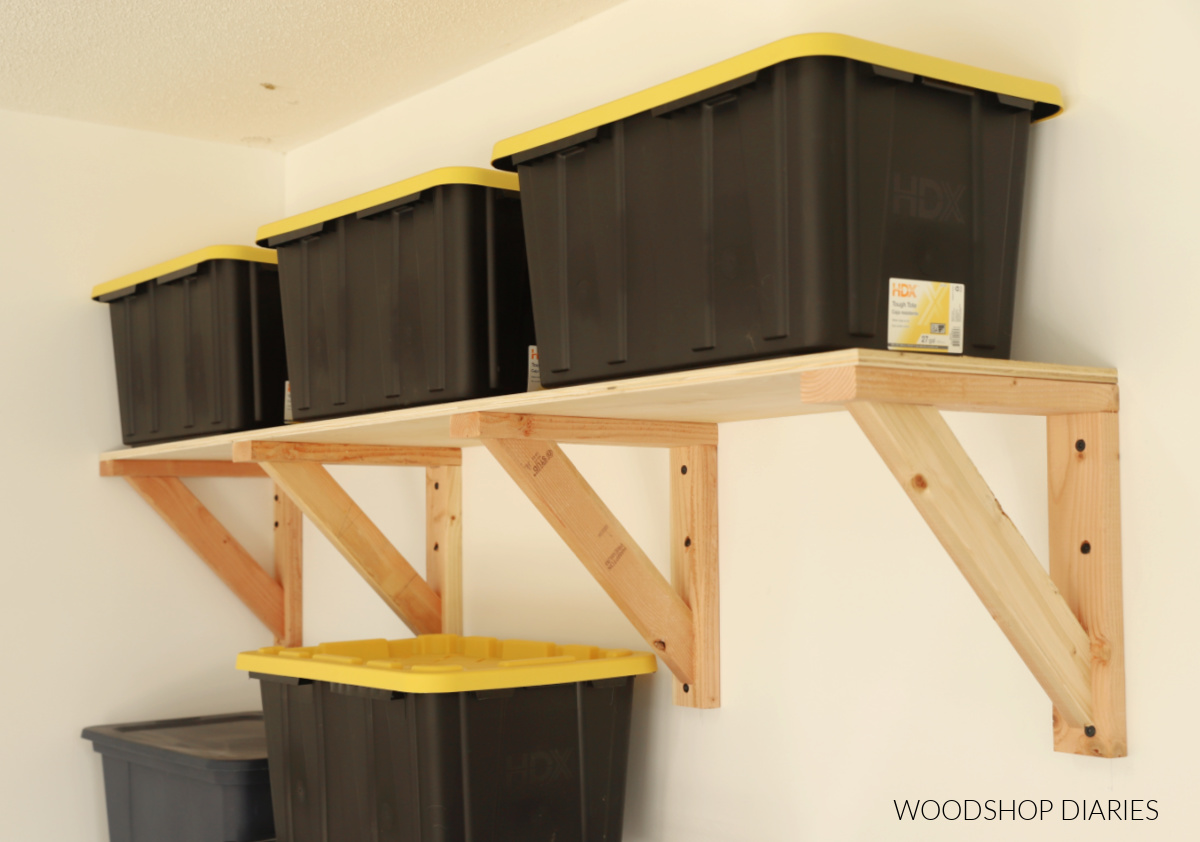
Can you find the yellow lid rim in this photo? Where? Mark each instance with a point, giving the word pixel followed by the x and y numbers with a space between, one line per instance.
pixel 195 258
pixel 476 176
pixel 349 663
pixel 797 46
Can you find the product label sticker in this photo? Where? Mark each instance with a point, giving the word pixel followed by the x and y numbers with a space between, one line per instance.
pixel 533 380
pixel 287 402
pixel 925 316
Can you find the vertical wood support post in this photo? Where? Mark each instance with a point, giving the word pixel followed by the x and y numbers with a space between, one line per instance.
pixel 289 567
pixel 694 569
pixel 1083 463
pixel 443 542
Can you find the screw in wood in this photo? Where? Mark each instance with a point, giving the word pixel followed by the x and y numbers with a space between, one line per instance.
pixel 276 524
pixel 1085 548
pixel 1080 445
pixel 683 469
pixel 276 498
pixel 435 546
pixel 687 542
pixel 686 688
pixel 1090 730
pixel 436 486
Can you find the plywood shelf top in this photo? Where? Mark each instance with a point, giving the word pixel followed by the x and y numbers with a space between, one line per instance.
pixel 746 391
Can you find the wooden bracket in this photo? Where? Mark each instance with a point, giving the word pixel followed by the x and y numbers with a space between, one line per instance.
pixel 680 622
pixel 276 602
pixel 1065 626
pixel 426 607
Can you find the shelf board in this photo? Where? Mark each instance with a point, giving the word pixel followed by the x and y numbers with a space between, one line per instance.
pixel 746 391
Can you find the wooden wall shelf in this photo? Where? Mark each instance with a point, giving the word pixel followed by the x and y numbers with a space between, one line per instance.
pixel 1066 625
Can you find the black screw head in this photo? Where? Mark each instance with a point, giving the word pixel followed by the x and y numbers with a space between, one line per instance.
pixel 686 688
pixel 1085 548
pixel 276 498
pixel 436 486
pixel 1090 730
pixel 1080 445
pixel 435 547
pixel 276 524
pixel 687 542
pixel 683 469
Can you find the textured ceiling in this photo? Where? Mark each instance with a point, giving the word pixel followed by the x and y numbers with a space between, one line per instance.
pixel 269 73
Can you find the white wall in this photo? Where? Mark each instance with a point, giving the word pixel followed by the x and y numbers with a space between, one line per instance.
pixel 858 667
pixel 105 615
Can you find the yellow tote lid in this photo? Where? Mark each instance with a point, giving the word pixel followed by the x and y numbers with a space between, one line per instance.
pixel 447 663
pixel 1047 98
pixel 194 258
pixel 434 178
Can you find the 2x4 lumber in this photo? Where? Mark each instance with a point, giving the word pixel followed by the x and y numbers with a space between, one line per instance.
pixel 345 454
pixel 694 572
pixel 956 364
pixel 289 567
pixel 572 507
pixel 177 468
pixel 443 542
pixel 358 539
pixel 571 430
pixel 1083 465
pixel 202 532
pixel 956 391
pixel 943 483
